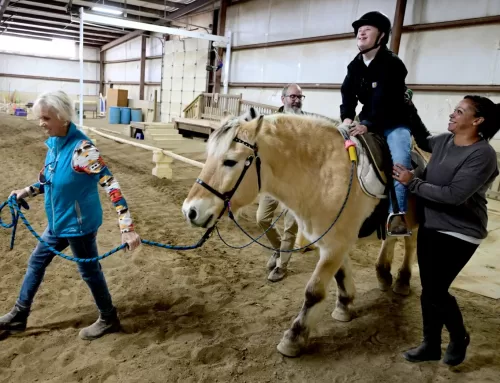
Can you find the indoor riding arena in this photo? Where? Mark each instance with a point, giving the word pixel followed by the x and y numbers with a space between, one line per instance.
pixel 150 82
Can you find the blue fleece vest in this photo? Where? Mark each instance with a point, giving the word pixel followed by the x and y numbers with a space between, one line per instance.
pixel 71 199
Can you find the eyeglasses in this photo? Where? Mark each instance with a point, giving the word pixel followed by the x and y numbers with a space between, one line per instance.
pixel 294 97
pixel 41 176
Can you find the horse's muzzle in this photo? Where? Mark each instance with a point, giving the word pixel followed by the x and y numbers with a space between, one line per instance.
pixel 197 216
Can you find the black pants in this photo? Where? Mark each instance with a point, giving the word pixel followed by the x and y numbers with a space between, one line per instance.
pixel 440 258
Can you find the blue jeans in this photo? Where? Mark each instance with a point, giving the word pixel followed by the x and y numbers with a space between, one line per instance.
pixel 82 247
pixel 399 141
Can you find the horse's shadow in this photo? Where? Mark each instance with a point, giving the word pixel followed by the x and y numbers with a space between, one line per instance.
pixel 379 325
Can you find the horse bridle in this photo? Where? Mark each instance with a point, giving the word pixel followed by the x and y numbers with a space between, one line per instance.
pixel 226 196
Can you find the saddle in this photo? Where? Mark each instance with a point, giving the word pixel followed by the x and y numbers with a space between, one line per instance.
pixel 374 173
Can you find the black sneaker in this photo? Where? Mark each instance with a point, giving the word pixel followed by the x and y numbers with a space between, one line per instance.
pixel 425 352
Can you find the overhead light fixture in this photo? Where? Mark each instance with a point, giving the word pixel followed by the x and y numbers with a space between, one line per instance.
pixel 111 11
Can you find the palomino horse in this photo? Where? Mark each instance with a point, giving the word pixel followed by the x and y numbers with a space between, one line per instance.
pixel 304 164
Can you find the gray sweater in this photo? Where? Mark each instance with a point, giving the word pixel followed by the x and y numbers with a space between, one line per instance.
pixel 453 188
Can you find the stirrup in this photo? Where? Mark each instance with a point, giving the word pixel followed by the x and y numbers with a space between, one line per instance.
pixel 388 225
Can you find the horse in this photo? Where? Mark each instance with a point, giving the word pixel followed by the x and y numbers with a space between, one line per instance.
pixel 300 160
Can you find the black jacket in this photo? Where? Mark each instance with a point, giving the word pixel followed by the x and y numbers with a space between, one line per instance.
pixel 380 87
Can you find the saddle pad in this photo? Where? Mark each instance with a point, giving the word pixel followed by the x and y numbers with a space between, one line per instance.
pixel 371 178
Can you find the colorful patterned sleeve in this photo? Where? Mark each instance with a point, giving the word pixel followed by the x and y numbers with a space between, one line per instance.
pixel 87 159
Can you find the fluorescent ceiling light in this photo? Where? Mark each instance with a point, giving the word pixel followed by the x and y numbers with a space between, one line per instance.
pixel 123 23
pixel 111 11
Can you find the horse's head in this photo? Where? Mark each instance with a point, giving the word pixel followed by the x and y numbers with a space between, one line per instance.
pixel 229 173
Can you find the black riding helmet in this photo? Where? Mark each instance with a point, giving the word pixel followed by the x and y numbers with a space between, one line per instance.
pixel 378 20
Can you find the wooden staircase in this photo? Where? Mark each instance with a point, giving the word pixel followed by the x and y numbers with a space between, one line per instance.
pixel 204 114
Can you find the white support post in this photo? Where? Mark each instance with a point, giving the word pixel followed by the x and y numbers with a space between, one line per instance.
pixel 163 165
pixel 80 114
pixel 227 63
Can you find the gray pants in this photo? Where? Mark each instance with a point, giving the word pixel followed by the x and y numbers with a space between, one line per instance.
pixel 265 214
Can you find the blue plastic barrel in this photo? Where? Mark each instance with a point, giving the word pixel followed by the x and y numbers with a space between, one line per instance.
pixel 137 115
pixel 125 116
pixel 114 115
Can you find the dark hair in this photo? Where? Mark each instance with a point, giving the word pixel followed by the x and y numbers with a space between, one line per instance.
pixel 489 111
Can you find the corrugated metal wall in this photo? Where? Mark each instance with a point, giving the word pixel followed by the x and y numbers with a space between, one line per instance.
pixel 468 55
pixel 28 89
pixel 453 56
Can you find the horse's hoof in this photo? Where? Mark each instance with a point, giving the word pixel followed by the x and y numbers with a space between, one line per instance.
pixel 384 278
pixel 401 289
pixel 277 274
pixel 289 348
pixel 384 285
pixel 271 263
pixel 341 315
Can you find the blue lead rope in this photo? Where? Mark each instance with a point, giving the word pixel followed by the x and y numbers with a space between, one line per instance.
pixel 15 217
pixel 16 213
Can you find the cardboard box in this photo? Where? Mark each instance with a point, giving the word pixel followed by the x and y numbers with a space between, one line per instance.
pixel 117 97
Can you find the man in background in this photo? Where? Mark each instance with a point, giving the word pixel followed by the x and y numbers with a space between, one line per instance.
pixel 291 97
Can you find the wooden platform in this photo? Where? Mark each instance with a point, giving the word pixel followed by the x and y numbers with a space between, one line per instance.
pixel 192 127
pixel 481 275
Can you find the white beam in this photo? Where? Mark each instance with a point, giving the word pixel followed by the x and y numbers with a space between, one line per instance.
pixel 91 17
pixel 81 67
pixel 227 63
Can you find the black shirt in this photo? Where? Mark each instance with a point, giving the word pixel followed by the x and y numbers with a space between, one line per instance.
pixel 380 87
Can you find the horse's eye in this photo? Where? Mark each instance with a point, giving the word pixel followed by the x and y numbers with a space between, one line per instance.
pixel 229 163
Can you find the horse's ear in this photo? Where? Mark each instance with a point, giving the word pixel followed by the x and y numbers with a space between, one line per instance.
pixel 259 124
pixel 253 113
pixel 249 115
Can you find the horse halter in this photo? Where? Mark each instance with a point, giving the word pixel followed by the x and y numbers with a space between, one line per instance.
pixel 226 196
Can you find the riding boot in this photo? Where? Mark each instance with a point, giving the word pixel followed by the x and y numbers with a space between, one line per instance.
pixel 15 320
pixel 430 348
pixel 105 324
pixel 398 226
pixel 459 338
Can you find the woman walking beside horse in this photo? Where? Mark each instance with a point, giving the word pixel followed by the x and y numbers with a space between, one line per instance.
pixel 453 195
pixel 73 168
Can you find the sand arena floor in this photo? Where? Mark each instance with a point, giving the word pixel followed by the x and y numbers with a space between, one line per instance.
pixel 207 315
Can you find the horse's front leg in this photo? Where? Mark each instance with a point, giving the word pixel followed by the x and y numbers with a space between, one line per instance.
pixel 295 339
pixel 402 285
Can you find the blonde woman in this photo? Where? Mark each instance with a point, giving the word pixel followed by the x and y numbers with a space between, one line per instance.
pixel 73 168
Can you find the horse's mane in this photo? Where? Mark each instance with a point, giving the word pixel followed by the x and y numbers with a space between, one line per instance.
pixel 335 122
pixel 221 139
